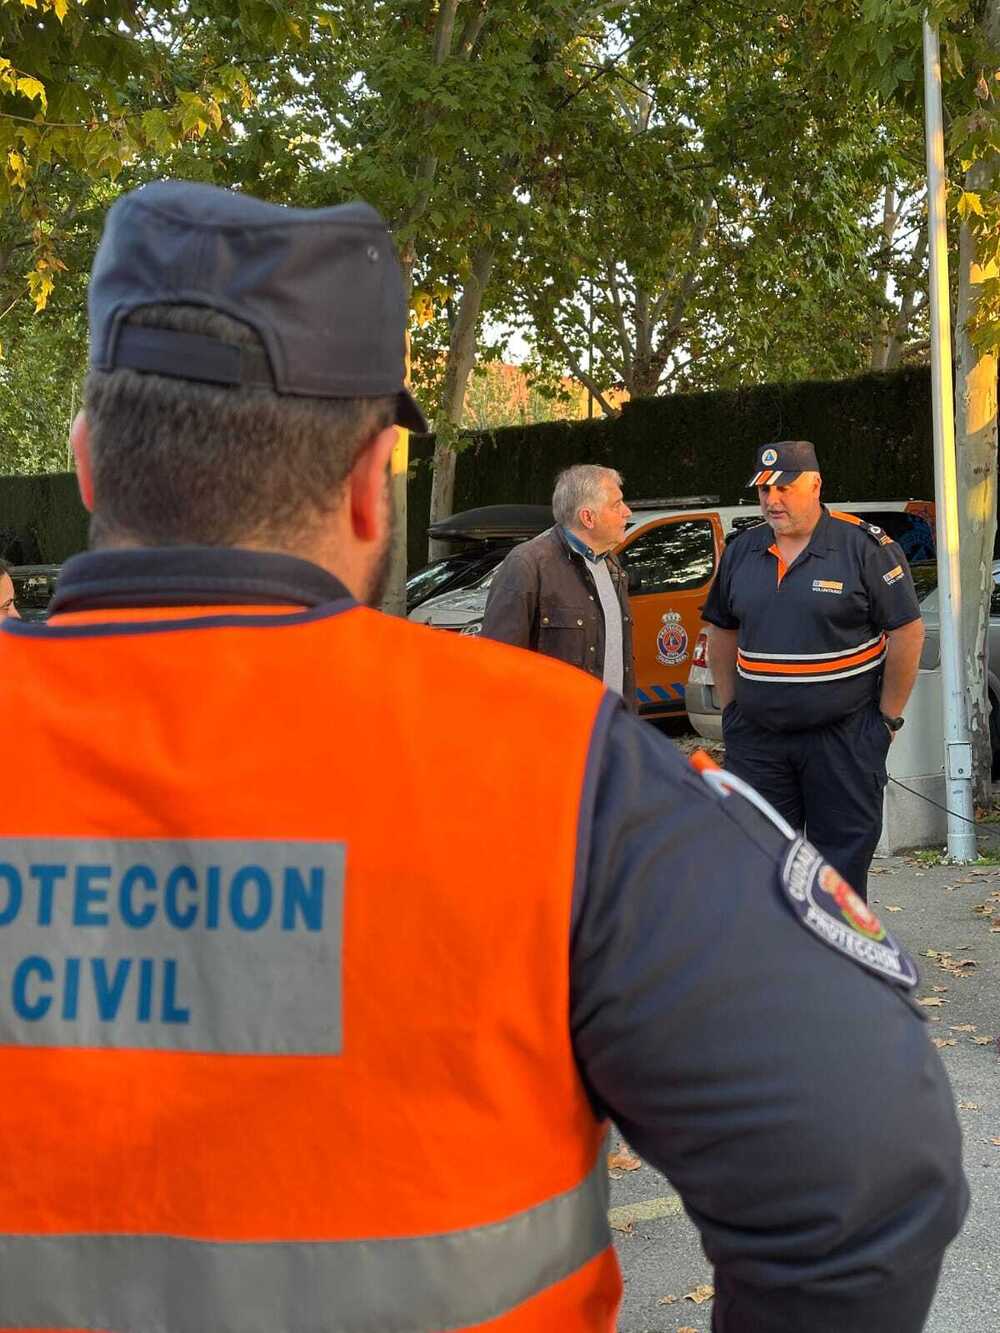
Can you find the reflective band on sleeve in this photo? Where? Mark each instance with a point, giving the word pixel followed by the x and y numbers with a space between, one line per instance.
pixel 136 1284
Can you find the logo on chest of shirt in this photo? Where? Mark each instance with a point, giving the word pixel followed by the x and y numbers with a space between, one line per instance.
pixel 828 585
pixel 672 640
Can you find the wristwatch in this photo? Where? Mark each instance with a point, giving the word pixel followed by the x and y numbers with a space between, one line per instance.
pixel 893 723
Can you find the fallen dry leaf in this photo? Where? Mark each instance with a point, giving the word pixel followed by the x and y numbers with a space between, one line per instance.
pixel 705 1292
pixel 995 1141
pixel 686 1328
pixel 893 909
pixel 962 1027
pixel 939 990
pixel 928 1001
pixel 623 1159
pixel 969 1106
pixel 983 1041
pixel 944 1041
pixel 626 1228
pixel 666 1300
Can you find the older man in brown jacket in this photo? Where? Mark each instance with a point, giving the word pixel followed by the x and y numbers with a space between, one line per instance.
pixel 563 593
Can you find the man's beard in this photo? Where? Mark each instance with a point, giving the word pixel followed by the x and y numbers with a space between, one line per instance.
pixel 378 580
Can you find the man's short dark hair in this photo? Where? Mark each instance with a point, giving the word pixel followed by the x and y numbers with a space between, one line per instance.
pixel 177 462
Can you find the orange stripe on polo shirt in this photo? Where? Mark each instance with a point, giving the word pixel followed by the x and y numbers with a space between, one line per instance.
pixel 847 518
pixel 818 668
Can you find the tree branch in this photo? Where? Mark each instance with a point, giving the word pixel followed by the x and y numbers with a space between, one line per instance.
pixel 444 30
pixel 622 327
pixel 472 32
pixel 590 383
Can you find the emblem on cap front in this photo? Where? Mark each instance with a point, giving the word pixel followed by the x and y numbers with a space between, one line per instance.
pixel 769 457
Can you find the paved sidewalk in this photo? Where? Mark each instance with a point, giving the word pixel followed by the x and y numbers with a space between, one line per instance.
pixel 659 1248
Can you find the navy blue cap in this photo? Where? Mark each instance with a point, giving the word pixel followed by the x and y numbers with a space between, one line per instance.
pixel 321 287
pixel 778 464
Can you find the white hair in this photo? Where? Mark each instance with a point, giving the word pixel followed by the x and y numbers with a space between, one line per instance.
pixel 578 487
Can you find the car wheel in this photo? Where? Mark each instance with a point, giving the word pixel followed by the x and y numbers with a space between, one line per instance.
pixel 995 736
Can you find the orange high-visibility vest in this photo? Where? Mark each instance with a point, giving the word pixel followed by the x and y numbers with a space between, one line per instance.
pixel 284 988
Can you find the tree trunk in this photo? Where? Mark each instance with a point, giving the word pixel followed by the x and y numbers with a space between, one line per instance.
pixel 880 338
pixel 458 368
pixel 976 450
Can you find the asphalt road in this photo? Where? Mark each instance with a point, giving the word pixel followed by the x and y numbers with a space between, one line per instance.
pixel 659 1248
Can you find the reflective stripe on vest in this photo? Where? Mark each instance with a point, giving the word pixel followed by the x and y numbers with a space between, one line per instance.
pixel 283 983
pixel 366 1286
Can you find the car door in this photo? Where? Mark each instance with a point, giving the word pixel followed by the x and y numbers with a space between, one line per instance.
pixel 670 564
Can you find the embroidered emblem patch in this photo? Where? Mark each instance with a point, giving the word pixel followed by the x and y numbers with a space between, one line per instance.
pixel 827 905
pixel 769 457
pixel 894 575
pixel 672 640
pixel 827 585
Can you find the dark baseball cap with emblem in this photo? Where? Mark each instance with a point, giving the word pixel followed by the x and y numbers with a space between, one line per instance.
pixel 321 287
pixel 778 464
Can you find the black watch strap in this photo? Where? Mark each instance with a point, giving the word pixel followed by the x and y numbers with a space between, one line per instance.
pixel 893 723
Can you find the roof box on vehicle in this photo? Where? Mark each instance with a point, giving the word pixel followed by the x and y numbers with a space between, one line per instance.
pixel 493 523
pixel 675 502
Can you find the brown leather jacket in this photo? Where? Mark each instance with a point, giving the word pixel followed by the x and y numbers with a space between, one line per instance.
pixel 543 598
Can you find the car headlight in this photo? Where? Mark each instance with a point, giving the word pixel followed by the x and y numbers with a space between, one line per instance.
pixel 473 627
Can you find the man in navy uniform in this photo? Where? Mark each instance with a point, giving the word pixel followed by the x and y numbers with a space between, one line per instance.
pixel 814 644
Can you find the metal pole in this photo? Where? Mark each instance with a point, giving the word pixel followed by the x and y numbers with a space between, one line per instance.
pixel 958 749
pixel 590 350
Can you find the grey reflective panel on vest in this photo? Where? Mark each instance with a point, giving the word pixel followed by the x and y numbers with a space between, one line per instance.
pixel 217 945
pixel 142 1284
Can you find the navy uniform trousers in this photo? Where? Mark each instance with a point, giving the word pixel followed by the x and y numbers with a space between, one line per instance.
pixel 829 781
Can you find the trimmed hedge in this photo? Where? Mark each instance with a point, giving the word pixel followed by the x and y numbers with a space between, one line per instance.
pixel 42 519
pixel 873 435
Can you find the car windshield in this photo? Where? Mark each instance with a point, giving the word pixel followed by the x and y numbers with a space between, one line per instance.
pixel 425 582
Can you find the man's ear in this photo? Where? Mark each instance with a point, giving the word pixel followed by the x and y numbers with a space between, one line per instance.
pixel 367 485
pixel 79 438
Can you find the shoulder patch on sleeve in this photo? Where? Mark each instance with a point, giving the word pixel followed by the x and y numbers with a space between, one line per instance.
pixel 827 906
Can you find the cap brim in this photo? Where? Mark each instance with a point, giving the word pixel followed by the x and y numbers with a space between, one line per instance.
pixel 772 477
pixel 408 414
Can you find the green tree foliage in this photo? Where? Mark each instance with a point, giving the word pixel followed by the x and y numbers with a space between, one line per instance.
pixel 737 236
pixel 95 96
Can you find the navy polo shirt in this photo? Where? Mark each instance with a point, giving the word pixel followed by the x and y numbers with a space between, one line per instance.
pixel 811 639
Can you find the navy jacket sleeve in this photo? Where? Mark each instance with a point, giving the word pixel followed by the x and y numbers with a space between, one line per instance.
pixel 718 609
pixel 792 1098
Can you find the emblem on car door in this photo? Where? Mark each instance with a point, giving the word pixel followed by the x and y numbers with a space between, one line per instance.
pixel 672 640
